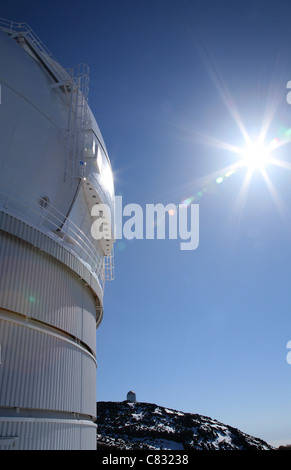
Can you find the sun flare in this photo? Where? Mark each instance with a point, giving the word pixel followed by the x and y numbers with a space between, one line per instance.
pixel 256 156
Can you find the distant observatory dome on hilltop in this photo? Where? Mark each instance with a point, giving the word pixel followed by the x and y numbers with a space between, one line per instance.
pixel 131 397
pixel 54 168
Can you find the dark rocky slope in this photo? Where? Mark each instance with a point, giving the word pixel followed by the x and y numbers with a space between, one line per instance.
pixel 128 426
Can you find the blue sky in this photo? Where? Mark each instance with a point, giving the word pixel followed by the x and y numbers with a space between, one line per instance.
pixel 202 331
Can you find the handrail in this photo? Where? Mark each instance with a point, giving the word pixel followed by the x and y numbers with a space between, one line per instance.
pixel 78 75
pixel 19 27
pixel 13 198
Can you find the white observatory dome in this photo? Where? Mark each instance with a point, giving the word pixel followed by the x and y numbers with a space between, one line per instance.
pixel 54 168
pixel 131 397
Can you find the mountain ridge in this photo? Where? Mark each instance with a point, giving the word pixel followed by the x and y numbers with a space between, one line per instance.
pixel 129 425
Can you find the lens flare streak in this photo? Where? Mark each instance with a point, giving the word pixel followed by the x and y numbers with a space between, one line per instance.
pixel 255 157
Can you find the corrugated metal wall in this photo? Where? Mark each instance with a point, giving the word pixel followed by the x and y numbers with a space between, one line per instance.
pixel 41 370
pixel 45 242
pixel 25 434
pixel 48 346
pixel 36 285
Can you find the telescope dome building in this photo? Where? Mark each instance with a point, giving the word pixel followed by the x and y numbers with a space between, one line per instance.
pixel 54 168
pixel 131 396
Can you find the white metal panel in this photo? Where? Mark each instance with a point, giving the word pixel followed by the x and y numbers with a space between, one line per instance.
pixel 42 370
pixel 33 119
pixel 55 248
pixel 46 434
pixel 37 286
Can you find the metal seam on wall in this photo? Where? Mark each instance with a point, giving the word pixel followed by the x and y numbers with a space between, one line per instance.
pixel 51 420
pixel 44 329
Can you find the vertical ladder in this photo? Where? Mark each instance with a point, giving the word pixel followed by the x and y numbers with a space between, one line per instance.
pixel 78 123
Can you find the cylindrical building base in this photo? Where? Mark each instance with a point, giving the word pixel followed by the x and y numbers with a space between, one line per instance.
pixel 47 345
pixel 46 434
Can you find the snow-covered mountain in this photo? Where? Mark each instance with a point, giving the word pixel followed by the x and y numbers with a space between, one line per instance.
pixel 129 426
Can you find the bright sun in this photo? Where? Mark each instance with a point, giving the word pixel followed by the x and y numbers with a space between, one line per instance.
pixel 255 156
